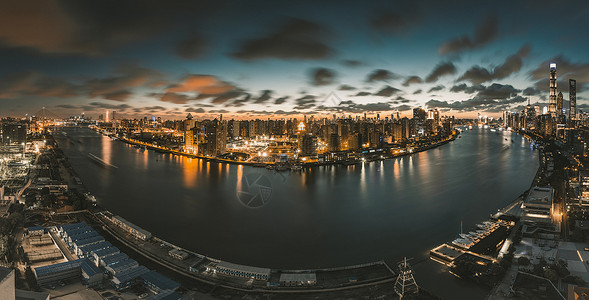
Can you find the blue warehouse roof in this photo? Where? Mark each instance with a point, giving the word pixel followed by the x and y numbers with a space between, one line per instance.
pixel 68 265
pixel 94 247
pixel 107 252
pixel 89 268
pixel 123 265
pixel 73 226
pixel 130 274
pixel 83 235
pixel 160 281
pixel 89 241
pixel 76 231
pixel 113 259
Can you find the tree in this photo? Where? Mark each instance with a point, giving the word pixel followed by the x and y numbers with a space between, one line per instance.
pixel 3 245
pixel 30 199
pixel 523 261
pixel 551 274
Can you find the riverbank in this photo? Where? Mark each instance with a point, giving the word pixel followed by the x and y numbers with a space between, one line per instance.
pixel 404 152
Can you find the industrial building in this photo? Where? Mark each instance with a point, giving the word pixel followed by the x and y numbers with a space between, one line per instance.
pixel 298 279
pixel 538 204
pixel 232 269
pixel 178 254
pixel 97 258
pixel 159 283
pixel 131 228
pixel 51 274
pixel 104 253
pixel 124 279
pixel 121 266
pixel 91 275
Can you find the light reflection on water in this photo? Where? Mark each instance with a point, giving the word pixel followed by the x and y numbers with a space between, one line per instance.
pixel 322 217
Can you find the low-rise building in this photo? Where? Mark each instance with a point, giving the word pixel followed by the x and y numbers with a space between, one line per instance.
pixel 298 279
pixel 124 279
pixel 51 274
pixel 178 254
pixel 158 283
pixel 232 269
pixel 538 204
pixel 133 229
pixel 91 275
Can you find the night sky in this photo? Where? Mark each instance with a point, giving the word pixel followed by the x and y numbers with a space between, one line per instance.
pixel 259 59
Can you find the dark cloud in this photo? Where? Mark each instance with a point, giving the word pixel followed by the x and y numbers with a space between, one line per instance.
pixel 240 102
pixel 345 87
pixel 117 95
pixel 224 97
pixel 153 108
pixel 173 98
pixel 67 106
pixel 218 111
pixel 191 47
pixel 352 107
pixel 477 104
pixel 467 89
pixel 565 69
pixel 485 32
pixel 412 79
pixel 109 106
pixel 280 100
pixel 381 75
pixel 87 28
pixel 531 91
pixel 352 63
pixel 387 91
pixel 266 113
pixel 436 88
pixel 511 65
pixel 22 84
pixel 417 92
pixel 403 107
pixel 305 102
pixel 562 84
pixel 198 110
pixel 322 76
pixel 202 87
pixel 297 39
pixel 116 87
pixel 264 96
pixel 442 69
pixel 498 91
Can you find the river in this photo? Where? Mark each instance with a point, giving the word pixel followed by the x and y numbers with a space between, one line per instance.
pixel 321 217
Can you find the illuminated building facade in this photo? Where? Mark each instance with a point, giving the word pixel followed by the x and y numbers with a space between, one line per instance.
pixel 572 99
pixel 552 103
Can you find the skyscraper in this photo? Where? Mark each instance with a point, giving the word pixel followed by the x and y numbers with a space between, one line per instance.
pixel 572 99
pixel 552 103
pixel 559 103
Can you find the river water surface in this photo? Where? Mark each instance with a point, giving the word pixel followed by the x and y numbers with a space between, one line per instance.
pixel 321 217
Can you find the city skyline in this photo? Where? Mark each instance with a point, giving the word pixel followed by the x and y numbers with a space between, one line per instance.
pixel 262 58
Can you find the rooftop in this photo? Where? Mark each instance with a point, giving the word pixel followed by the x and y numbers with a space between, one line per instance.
pixel 40 271
pixel 242 268
pixel 162 282
pixel 89 268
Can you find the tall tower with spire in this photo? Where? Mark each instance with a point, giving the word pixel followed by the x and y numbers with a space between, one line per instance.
pixel 552 103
